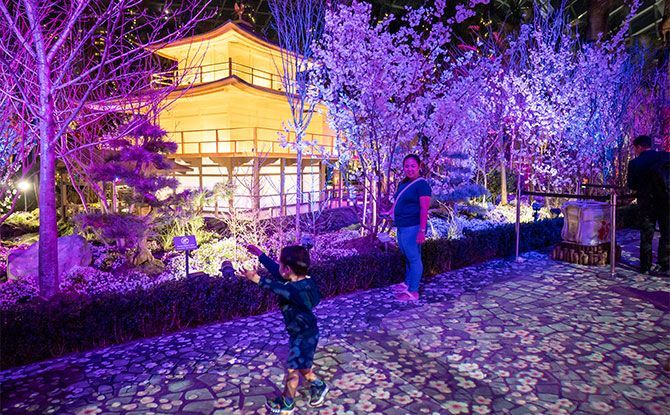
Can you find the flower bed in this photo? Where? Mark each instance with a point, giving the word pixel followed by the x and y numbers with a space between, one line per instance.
pixel 73 322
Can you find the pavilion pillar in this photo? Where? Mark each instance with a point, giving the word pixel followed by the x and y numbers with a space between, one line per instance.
pixel 322 183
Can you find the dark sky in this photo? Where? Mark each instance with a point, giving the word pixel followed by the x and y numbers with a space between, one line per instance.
pixel 259 12
pixel 508 10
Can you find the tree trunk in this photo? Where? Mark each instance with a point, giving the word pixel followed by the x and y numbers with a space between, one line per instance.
pixel 48 242
pixel 48 232
pixel 115 198
pixel 282 187
pixel 298 191
pixel 598 12
pixel 486 185
pixel 365 202
pixel 376 193
pixel 503 183
pixel 503 173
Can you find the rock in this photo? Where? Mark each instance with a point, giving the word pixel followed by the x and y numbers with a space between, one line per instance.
pixel 151 267
pixel 73 250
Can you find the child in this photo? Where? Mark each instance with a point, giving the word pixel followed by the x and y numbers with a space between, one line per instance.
pixel 298 294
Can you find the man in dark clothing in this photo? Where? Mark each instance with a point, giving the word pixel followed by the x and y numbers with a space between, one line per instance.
pixel 648 176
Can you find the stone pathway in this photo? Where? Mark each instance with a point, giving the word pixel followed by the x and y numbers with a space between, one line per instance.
pixel 536 337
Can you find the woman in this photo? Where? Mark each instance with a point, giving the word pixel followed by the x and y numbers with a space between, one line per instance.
pixel 410 214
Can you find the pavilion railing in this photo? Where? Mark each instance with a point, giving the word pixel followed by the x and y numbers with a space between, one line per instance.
pixel 256 140
pixel 195 75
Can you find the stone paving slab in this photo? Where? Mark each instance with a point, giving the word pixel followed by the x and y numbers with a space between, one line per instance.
pixel 536 337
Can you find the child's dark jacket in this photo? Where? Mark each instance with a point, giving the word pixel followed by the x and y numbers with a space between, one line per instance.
pixel 296 299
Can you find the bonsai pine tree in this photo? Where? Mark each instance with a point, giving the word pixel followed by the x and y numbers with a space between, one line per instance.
pixel 138 164
pixel 456 184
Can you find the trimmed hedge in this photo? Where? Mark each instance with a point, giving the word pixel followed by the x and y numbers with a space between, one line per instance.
pixel 69 323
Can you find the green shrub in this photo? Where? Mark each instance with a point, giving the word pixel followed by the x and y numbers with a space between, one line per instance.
pixel 180 227
pixel 26 222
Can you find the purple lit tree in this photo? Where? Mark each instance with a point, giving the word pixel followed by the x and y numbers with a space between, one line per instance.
pixel 17 156
pixel 455 139
pixel 72 61
pixel 299 25
pixel 376 85
pixel 567 104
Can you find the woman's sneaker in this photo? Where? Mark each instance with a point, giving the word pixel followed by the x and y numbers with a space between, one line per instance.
pixel 317 392
pixel 279 406
pixel 407 296
pixel 399 288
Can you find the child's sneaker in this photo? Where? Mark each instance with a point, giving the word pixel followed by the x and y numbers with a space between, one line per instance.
pixel 407 296
pixel 399 288
pixel 317 391
pixel 279 406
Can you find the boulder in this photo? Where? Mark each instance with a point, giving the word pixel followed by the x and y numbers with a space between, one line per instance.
pixel 73 250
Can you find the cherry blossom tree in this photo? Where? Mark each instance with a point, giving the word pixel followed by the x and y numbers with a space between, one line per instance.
pixel 375 83
pixel 69 57
pixel 537 100
pixel 461 117
pixel 566 102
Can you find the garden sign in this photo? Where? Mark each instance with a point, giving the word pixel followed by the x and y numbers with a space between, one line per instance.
pixel 186 243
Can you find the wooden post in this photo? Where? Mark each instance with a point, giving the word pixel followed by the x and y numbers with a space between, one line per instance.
pixel 63 198
pixel 256 183
pixel 231 173
pixel 200 175
pixel 115 198
pixel 36 189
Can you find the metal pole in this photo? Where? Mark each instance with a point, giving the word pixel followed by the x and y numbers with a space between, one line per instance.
pixel 517 225
pixel 613 233
pixel 186 252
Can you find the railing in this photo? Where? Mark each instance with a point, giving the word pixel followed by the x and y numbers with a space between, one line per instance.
pixel 273 205
pixel 256 140
pixel 213 72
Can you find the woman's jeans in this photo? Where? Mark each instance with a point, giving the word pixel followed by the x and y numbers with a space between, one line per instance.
pixel 412 252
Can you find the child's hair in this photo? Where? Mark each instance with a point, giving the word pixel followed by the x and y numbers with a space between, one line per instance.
pixel 295 257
